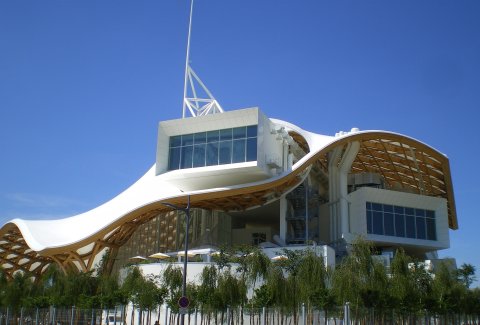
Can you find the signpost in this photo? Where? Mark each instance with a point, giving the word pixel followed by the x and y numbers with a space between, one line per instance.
pixel 183 303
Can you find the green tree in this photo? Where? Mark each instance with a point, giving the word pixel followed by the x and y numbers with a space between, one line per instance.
pixel 466 274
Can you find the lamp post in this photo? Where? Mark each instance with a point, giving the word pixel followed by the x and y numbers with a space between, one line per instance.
pixel 186 210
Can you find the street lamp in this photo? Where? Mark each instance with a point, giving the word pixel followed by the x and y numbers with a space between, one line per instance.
pixel 187 214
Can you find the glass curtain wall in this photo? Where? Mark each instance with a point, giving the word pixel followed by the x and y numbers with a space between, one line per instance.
pixel 218 147
pixel 398 221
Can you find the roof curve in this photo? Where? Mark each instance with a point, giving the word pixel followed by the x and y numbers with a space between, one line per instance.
pixel 405 164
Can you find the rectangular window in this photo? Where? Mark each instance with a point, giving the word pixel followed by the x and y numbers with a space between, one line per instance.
pixel 399 225
pixel 377 223
pixel 200 137
pixel 389 224
pixel 369 222
pixel 410 226
pixel 225 134
pixel 238 151
pixel 389 220
pixel 377 207
pixel 187 157
pixel 240 133
pixel 431 231
pixel 199 155
pixel 421 229
pixel 174 158
pixel 212 154
pixel 187 139
pixel 251 149
pixel 225 152
pixel 217 147
pixel 252 131
pixel 176 141
pixel 213 136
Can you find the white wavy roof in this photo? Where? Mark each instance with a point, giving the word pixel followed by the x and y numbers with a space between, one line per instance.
pixel 40 235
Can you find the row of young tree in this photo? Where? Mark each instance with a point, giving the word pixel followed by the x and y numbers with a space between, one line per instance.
pixel 246 279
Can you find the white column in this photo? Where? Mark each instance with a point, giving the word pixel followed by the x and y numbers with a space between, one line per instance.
pixel 283 216
pixel 344 168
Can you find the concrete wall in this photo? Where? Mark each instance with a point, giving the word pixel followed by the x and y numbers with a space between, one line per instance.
pixel 358 220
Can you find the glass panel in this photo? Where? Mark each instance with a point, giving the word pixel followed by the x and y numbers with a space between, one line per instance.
pixel 377 207
pixel 187 156
pixel 409 211
pixel 225 152
pixel 399 225
pixel 252 149
pixel 200 137
pixel 387 208
pixel 176 141
pixel 199 155
pixel 212 136
pixel 369 206
pixel 187 139
pixel 369 222
pixel 410 225
pixel 431 231
pixel 174 159
pixel 377 222
pixel 421 231
pixel 430 214
pixel 226 134
pixel 212 154
pixel 420 212
pixel 240 133
pixel 238 151
pixel 399 210
pixel 388 223
pixel 251 131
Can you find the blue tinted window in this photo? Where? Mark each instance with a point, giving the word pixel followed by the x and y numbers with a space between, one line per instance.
pixel 240 133
pixel 377 207
pixel 369 222
pixel 187 139
pixel 377 223
pixel 251 131
pixel 387 208
pixel 238 151
pixel 226 134
pixel 199 155
pixel 420 212
pixel 399 221
pixel 187 157
pixel 388 224
pixel 200 137
pixel 410 226
pixel 210 148
pixel 213 136
pixel 399 225
pixel 431 231
pixel 421 229
pixel 251 149
pixel 212 154
pixel 225 152
pixel 176 141
pixel 174 158
pixel 410 211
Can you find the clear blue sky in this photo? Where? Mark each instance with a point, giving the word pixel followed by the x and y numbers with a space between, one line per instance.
pixel 83 85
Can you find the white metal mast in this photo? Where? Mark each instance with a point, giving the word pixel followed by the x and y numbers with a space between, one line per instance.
pixel 196 96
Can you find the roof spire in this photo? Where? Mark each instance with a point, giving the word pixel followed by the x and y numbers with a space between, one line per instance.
pixel 197 103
